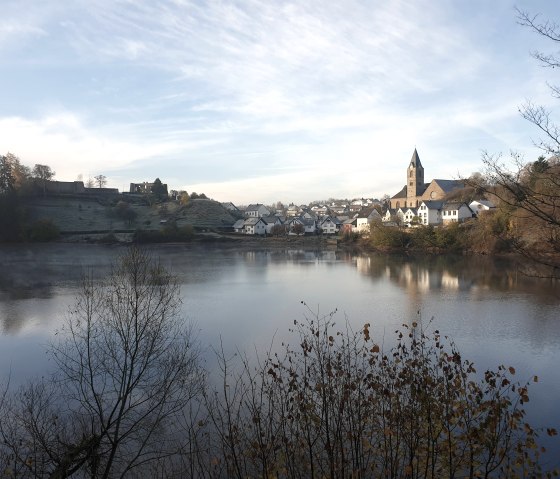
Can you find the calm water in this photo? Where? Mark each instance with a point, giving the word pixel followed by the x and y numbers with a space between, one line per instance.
pixel 246 298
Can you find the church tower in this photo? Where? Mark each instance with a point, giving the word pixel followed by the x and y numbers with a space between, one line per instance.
pixel 414 180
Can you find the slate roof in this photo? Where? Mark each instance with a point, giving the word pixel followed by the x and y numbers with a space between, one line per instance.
pixel 454 205
pixel 252 221
pixel 434 205
pixel 449 185
pixel 254 207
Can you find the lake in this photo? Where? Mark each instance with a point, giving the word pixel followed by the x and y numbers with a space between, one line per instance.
pixel 247 298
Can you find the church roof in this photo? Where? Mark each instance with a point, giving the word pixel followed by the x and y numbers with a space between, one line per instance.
pixel 449 185
pixel 415 160
pixel 401 194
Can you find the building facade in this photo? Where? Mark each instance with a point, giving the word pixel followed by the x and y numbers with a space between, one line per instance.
pixel 416 190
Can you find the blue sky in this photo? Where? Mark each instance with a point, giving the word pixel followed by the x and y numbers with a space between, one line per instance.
pixel 267 100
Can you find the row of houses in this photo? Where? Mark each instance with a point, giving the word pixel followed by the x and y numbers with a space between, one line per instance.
pixel 437 212
pixel 307 222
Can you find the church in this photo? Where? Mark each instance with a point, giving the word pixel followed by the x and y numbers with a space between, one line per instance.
pixel 415 190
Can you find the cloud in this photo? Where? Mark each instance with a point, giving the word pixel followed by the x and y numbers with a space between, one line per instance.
pixel 222 94
pixel 61 141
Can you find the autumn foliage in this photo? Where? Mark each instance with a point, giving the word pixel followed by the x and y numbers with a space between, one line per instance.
pixel 340 405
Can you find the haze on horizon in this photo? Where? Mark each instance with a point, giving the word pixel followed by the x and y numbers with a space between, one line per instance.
pixel 257 100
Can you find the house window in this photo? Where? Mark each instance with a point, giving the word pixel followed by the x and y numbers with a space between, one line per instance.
pixel 411 183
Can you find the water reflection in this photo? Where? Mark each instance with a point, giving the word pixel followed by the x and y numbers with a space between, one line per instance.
pixel 245 298
pixel 456 273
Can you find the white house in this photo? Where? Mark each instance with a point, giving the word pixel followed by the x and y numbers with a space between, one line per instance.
pixel 479 206
pixel 388 215
pixel 254 226
pixel 455 212
pixel 365 218
pixel 257 211
pixel 320 210
pixel 329 225
pixel 293 210
pixel 309 225
pixel 409 215
pixel 429 212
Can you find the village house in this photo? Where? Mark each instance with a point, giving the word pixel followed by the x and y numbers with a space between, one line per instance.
pixel 228 205
pixel 455 212
pixel 254 226
pixel 309 225
pixel 365 218
pixel 329 225
pixel 393 215
pixel 256 211
pixel 480 206
pixel 350 225
pixel 339 209
pixel 409 215
pixel 429 212
pixel 293 210
pixel 271 222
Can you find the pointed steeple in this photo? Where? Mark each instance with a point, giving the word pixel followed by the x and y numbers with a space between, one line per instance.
pixel 414 180
pixel 415 160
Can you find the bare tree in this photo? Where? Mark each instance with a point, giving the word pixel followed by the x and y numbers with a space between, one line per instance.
pixel 100 181
pixel 339 405
pixel 127 368
pixel 529 193
pixel 537 114
pixel 298 229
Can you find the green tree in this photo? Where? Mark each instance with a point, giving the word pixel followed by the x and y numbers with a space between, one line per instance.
pixel 42 172
pixel 124 211
pixel 7 182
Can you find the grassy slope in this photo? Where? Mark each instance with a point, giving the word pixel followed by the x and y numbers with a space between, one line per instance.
pixel 88 214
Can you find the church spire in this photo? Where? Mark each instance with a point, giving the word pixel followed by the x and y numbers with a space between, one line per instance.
pixel 415 160
pixel 414 181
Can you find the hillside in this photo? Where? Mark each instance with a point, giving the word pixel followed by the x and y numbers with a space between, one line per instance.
pixel 204 214
pixel 90 215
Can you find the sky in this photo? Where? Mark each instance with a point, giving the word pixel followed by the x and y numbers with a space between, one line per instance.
pixel 269 100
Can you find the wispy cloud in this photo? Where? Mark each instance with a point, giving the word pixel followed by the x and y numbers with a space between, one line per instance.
pixel 266 86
